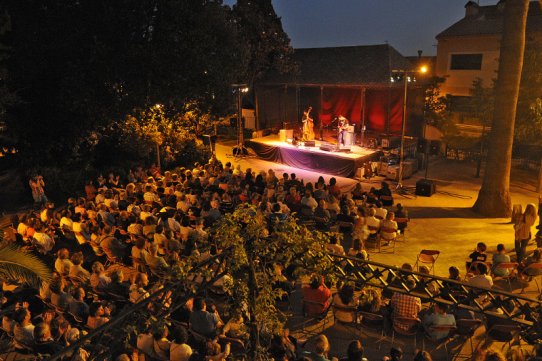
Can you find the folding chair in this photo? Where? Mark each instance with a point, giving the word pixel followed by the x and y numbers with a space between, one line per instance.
pixel 427 256
pixel 373 321
pixel 532 272
pixel 392 240
pixel 350 310
pixel 465 330
pixel 400 232
pixel 442 342
pixel 413 325
pixel 312 316
pixel 511 267
pixel 374 238
pixel 503 333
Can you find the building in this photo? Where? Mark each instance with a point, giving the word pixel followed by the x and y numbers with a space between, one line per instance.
pixel 353 81
pixel 470 48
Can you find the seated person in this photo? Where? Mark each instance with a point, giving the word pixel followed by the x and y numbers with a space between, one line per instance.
pixel 153 260
pixel 370 300
pixel 385 195
pixel 345 298
pixel 405 306
pixel 117 285
pixel 479 255
pixel 388 228
pixel 78 306
pixel 43 341
pixel 534 258
pixel 481 278
pixel 322 216
pixel 439 317
pixel 77 270
pixel 23 330
pixel 98 315
pixel 155 345
pixel 354 352
pixel 334 246
pixel 236 328
pixel 202 321
pixel 179 350
pixel 99 279
pixel 317 294
pixel 137 289
pixel 500 257
pixel 400 212
pixel 373 223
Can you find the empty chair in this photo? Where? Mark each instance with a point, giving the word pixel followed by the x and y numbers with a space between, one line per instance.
pixel 427 256
pixel 466 328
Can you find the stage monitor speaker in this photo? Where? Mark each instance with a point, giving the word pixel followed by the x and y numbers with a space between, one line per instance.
pixel 425 187
pixel 309 143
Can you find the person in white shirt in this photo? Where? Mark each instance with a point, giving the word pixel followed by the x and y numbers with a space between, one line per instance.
pixel 309 201
pixel 43 240
pixel 380 212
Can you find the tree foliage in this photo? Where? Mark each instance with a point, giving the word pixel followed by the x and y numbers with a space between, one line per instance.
pixel 81 66
pixel 436 112
pixel 256 251
pixel 528 117
pixel 265 41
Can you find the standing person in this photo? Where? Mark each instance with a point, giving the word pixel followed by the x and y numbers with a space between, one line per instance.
pixel 522 230
pixel 342 128
pixel 37 186
pixel 308 125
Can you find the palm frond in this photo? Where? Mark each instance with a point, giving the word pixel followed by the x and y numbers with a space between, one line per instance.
pixel 21 266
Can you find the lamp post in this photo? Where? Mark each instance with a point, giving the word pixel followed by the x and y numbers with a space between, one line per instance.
pixel 240 149
pixel 406 78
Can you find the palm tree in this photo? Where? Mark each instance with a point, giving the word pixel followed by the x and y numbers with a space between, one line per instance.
pixel 494 196
pixel 19 265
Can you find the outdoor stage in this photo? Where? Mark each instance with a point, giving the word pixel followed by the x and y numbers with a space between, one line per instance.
pixel 339 163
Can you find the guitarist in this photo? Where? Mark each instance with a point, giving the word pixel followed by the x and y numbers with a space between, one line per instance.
pixel 342 127
pixel 308 125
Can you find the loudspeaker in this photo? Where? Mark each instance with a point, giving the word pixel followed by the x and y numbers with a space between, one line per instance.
pixel 425 187
pixel 309 143
pixel 422 145
pixel 434 147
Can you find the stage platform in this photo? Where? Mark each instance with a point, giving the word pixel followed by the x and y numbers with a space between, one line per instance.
pixel 341 162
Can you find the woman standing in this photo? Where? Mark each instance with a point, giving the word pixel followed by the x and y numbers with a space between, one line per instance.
pixel 522 230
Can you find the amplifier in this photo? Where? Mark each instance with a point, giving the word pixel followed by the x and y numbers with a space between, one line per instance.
pixel 309 143
pixel 425 187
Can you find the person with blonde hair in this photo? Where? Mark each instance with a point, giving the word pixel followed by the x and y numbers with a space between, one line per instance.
pixel 522 230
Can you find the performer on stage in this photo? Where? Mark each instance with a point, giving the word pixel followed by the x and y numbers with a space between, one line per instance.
pixel 342 128
pixel 308 125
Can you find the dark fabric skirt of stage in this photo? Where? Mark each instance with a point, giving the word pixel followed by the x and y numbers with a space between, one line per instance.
pixel 314 160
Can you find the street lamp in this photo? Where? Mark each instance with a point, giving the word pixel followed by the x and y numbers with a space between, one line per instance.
pixel 240 149
pixel 408 75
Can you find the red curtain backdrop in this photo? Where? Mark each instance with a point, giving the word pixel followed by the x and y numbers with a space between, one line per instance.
pixel 377 104
pixel 345 102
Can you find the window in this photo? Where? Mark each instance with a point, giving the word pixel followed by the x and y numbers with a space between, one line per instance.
pixel 466 62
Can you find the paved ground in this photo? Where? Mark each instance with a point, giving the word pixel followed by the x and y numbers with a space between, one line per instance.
pixel 444 221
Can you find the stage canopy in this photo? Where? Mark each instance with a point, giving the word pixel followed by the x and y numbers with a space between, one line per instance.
pixel 350 81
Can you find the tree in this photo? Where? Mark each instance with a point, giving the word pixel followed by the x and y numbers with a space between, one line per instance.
pixel 494 196
pixel 267 45
pixel 528 121
pixel 19 266
pixel 255 252
pixel 435 110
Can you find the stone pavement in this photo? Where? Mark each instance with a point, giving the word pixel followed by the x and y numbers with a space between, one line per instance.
pixel 443 221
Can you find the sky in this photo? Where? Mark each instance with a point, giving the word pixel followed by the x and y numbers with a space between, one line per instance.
pixel 407 25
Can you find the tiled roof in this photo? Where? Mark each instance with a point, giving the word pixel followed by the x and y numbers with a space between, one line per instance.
pixel 348 65
pixel 489 21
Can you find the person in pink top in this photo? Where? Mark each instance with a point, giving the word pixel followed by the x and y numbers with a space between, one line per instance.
pixel 317 294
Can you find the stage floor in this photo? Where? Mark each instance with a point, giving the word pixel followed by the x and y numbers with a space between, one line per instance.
pixel 340 162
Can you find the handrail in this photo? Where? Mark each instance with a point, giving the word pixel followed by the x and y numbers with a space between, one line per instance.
pixel 457 294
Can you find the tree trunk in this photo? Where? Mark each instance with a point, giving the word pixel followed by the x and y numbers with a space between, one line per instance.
pixel 494 196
